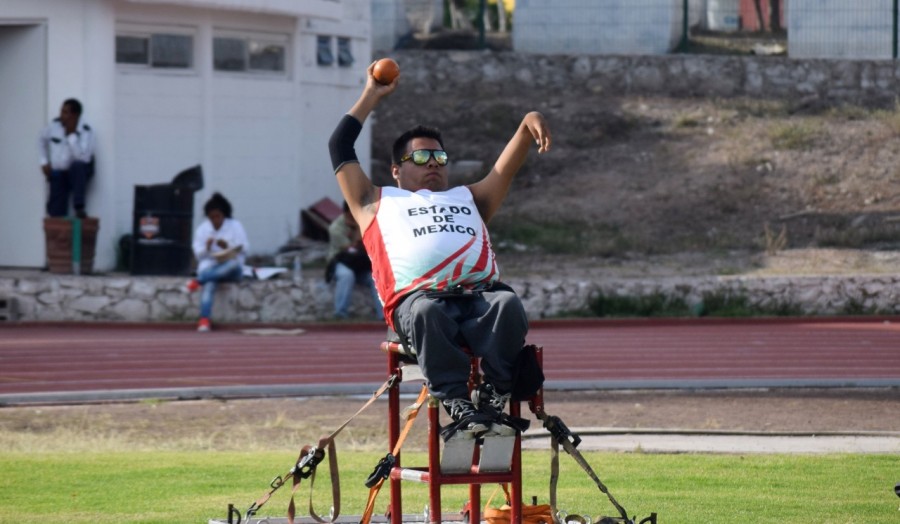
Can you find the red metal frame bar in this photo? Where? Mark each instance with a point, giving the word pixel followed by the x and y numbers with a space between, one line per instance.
pixel 432 474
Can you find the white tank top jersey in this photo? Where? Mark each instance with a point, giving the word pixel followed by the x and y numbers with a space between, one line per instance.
pixel 427 240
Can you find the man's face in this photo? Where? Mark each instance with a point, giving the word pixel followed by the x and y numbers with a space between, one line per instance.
pixel 67 117
pixel 430 175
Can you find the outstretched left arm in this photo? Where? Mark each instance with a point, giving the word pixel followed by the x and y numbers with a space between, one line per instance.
pixel 490 191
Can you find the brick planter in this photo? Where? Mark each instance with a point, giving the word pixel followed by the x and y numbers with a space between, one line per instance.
pixel 59 235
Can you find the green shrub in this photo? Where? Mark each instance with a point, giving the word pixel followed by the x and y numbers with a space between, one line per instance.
pixel 654 305
pixel 855 306
pixel 714 304
pixel 730 304
pixel 794 136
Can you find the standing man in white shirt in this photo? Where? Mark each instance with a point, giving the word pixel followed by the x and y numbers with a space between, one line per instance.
pixel 66 148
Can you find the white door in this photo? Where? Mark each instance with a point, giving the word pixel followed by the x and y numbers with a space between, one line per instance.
pixel 23 95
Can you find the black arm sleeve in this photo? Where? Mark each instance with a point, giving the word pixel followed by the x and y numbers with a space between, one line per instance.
pixel 341 143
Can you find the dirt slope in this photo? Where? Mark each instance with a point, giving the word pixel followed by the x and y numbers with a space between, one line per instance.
pixel 633 178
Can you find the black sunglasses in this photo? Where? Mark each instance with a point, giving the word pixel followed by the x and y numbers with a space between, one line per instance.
pixel 420 157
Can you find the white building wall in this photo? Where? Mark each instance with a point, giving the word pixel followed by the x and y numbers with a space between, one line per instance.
pixel 262 141
pixel 99 77
pixel 327 94
pixel 23 81
pixel 388 24
pixel 332 9
pixel 597 27
pixel 241 128
pixel 394 19
pixel 79 34
pixel 840 29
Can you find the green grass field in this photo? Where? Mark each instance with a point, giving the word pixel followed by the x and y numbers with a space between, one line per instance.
pixel 192 487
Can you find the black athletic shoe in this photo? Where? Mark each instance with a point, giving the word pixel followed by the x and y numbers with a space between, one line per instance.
pixel 486 399
pixel 489 401
pixel 465 416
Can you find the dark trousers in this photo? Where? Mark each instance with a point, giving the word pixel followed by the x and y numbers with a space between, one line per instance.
pixel 492 324
pixel 72 181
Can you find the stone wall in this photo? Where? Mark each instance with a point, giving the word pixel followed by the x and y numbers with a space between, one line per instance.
pixel 45 297
pixel 857 81
pixel 811 295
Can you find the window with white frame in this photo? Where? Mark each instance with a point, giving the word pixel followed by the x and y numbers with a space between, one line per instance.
pixel 174 51
pixel 345 52
pixel 229 54
pixel 250 52
pixel 132 49
pixel 155 47
pixel 325 55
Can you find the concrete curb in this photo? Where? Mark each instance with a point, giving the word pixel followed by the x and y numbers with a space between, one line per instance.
pixel 723 442
pixel 348 389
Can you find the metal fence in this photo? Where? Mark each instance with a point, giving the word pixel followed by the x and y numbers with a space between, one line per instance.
pixel 854 29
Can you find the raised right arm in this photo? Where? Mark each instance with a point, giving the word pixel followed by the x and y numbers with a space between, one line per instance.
pixel 359 192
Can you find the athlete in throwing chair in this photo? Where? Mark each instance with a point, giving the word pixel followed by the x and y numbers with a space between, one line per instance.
pixel 432 261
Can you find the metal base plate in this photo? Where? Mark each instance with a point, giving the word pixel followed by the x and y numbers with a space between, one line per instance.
pixel 496 454
pixel 458 453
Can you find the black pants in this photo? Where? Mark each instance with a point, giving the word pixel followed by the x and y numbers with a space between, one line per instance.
pixel 491 323
pixel 72 181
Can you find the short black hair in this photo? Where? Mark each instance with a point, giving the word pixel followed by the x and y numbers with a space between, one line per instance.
pixel 403 140
pixel 74 105
pixel 217 201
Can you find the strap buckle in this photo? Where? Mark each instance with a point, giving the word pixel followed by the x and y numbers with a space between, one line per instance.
pixel 306 465
pixel 382 470
pixel 560 431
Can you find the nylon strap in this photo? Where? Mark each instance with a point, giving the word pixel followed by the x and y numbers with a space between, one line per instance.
pixel 370 502
pixel 531 513
pixel 296 484
pixel 554 476
pixel 579 458
pixel 380 391
pixel 410 418
pixel 335 485
pixel 325 442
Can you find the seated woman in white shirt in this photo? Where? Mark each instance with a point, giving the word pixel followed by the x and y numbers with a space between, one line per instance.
pixel 220 244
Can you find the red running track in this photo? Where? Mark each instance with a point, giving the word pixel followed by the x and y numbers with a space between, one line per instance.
pixel 66 362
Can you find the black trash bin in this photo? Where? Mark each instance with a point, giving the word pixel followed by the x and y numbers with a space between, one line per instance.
pixel 162 227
